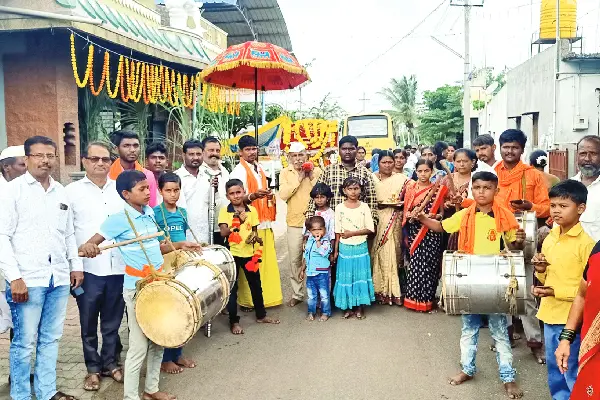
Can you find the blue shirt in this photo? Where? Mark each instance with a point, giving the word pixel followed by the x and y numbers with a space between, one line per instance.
pixel 117 228
pixel 317 258
pixel 175 224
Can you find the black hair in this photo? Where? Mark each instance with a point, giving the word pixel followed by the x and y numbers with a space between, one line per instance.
pixel 167 177
pixel 321 189
pixel 485 176
pixel 513 135
pixel 427 147
pixel 401 151
pixel 408 147
pixel 590 138
pixel 104 145
pixel 385 153
pixel 375 151
pixel 349 139
pixel 192 144
pixel 470 154
pixel 8 161
pixel 37 140
pixel 247 141
pixel 117 136
pixel 438 148
pixel 210 139
pixel 156 147
pixel 128 179
pixel 483 140
pixel 533 159
pixel 361 148
pixel 570 189
pixel 453 145
pixel 349 181
pixel 317 219
pixel 424 161
pixel 233 182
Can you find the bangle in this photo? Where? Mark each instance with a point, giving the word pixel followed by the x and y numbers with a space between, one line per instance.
pixel 250 197
pixel 567 334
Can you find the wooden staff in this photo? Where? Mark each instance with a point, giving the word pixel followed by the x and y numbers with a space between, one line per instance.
pixel 130 241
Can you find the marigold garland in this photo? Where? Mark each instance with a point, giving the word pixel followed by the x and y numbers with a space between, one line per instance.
pixel 313 134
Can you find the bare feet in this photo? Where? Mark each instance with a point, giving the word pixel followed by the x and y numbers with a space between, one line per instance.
pixel 185 363
pixel 158 396
pixel 539 354
pixel 236 329
pixel 310 317
pixel 268 320
pixel 171 368
pixel 360 313
pixel 294 302
pixel 348 314
pixel 459 379
pixel 324 317
pixel 513 391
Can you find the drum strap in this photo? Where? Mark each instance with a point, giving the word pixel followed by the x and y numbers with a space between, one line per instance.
pixel 513 284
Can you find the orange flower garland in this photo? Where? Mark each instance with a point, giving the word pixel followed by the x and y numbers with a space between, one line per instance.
pixel 90 61
pixel 105 67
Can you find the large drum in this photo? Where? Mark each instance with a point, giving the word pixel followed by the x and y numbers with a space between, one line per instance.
pixel 477 284
pixel 170 312
pixel 528 222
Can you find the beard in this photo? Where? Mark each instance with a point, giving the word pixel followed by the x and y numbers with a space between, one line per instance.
pixel 589 170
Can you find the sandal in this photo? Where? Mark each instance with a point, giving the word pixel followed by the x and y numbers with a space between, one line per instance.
pixel 116 374
pixel 62 396
pixel 348 314
pixel 91 382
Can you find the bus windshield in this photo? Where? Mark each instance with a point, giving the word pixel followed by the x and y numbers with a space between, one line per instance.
pixel 368 126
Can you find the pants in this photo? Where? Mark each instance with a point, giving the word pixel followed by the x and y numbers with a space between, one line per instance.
pixel 295 241
pixel 139 347
pixel 560 385
pixel 499 332
pixel 5 317
pixel 172 355
pixel 253 279
pixel 316 286
pixel 42 315
pixel 102 298
pixel 220 240
pixel 531 325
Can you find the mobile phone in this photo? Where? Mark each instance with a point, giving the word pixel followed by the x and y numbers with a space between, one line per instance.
pixel 517 201
pixel 78 291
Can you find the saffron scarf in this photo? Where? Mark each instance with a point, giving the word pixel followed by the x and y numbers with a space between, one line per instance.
pixel 265 213
pixel 116 168
pixel 505 221
pixel 414 198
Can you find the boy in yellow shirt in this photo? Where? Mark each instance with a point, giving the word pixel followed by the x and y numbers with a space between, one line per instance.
pixel 483 227
pixel 559 268
pixel 238 223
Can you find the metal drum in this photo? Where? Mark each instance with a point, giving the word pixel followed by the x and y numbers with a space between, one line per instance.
pixel 528 222
pixel 171 311
pixel 477 284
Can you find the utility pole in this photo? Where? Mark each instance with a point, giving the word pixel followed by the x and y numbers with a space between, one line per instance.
pixel 466 83
pixel 364 101
pixel 557 70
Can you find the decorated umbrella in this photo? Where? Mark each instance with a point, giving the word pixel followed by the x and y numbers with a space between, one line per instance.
pixel 256 66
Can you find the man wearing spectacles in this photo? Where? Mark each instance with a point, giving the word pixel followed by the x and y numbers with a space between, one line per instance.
pixel 40 260
pixel 93 199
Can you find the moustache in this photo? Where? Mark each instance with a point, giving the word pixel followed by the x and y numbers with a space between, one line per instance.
pixel 216 157
pixel 589 169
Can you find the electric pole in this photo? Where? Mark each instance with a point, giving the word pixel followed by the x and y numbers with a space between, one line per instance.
pixel 467 83
pixel 364 101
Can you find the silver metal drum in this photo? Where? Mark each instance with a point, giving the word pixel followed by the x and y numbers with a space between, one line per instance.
pixel 528 222
pixel 477 284
pixel 171 311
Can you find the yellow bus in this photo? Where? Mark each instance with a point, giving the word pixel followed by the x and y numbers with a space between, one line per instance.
pixel 373 131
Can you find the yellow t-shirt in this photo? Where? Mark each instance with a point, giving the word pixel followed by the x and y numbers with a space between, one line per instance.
pixel 567 255
pixel 487 238
pixel 240 249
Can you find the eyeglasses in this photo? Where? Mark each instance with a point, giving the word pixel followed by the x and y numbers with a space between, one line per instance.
pixel 95 160
pixel 41 156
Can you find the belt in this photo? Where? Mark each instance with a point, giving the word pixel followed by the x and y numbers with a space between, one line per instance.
pixel 143 273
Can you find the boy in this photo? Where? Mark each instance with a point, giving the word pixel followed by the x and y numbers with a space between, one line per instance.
pixel 315 267
pixel 242 248
pixel 481 227
pixel 559 268
pixel 136 219
pixel 173 221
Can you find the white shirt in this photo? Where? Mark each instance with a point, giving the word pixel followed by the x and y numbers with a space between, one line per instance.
pixel 239 172
pixel 485 167
pixel 196 193
pixel 91 205
pixel 221 199
pixel 590 219
pixel 37 238
pixel 2 180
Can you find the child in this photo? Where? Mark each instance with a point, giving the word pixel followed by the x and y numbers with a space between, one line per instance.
pixel 322 195
pixel 559 268
pixel 241 220
pixel 481 227
pixel 136 219
pixel 316 268
pixel 353 223
pixel 173 221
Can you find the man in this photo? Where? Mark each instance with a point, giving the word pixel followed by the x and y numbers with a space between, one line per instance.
pixel 485 148
pixel 39 259
pixel 523 188
pixel 156 158
pixel 412 159
pixel 128 147
pixel 195 187
pixel 12 163
pixel 211 168
pixel 588 161
pixel 254 178
pixel 93 199
pixel 296 185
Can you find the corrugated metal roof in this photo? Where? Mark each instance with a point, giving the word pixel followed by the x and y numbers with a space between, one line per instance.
pixel 245 20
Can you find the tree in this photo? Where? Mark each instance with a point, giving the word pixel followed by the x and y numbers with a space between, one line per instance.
pixel 402 95
pixel 324 109
pixel 443 118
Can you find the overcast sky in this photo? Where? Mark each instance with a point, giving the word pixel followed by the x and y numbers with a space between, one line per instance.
pixel 343 36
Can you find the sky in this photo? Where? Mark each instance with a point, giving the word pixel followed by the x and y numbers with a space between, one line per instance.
pixel 355 47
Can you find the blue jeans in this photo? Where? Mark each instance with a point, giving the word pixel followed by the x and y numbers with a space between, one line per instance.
pixel 468 344
pixel 43 314
pixel 318 284
pixel 172 354
pixel 560 385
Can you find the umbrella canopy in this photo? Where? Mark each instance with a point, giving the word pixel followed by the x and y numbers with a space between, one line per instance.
pixel 256 66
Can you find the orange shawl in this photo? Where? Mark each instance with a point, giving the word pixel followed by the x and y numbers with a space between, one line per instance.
pixel 505 222
pixel 116 168
pixel 265 213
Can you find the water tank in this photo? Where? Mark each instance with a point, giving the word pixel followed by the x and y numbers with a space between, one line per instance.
pixel 568 19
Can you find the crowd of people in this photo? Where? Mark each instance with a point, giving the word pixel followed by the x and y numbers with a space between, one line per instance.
pixel 358 233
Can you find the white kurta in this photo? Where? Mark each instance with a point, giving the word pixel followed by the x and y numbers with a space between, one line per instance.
pixel 221 199
pixel 239 172
pixel 590 219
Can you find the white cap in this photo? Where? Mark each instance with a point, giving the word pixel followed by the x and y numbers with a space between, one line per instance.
pixel 297 147
pixel 12 151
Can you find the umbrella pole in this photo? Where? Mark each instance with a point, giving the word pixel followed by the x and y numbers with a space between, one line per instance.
pixel 256 104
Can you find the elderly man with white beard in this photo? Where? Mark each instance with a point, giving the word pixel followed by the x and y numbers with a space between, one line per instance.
pixel 588 161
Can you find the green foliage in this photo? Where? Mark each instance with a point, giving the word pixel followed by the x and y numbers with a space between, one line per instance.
pixel 500 79
pixel 402 95
pixel 443 118
pixel 478 105
pixel 326 109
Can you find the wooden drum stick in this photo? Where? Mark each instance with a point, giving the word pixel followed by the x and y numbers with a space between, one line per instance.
pixel 130 241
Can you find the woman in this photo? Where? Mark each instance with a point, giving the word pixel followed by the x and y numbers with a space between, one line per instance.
pixel 386 252
pixel 434 154
pixel 539 160
pixel 450 156
pixel 586 309
pixel 400 157
pixel 465 162
pixel 425 245
pixel 361 154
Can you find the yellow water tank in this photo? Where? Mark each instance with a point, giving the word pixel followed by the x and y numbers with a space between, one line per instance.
pixel 568 19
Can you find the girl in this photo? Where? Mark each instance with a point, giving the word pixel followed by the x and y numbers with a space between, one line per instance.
pixel 465 162
pixel 322 195
pixel 400 157
pixel 539 160
pixel 425 245
pixel 353 223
